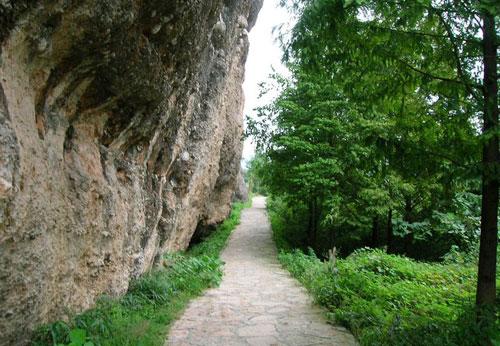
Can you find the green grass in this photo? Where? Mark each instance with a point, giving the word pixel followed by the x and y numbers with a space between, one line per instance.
pixel 144 314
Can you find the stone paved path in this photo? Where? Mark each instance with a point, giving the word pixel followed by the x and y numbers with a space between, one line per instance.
pixel 257 303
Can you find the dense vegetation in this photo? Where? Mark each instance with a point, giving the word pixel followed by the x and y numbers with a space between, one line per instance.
pixel 386 135
pixel 144 314
pixel 391 300
pixel 387 299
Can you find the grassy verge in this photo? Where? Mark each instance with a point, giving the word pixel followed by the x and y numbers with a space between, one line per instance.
pixel 143 315
pixel 392 300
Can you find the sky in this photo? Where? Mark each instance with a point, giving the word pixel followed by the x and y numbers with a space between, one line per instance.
pixel 265 54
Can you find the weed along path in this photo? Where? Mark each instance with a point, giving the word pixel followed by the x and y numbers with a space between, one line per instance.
pixel 257 303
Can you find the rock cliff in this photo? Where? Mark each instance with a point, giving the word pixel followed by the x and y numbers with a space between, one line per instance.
pixel 120 134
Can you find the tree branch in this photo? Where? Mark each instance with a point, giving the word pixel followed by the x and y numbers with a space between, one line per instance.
pixel 444 79
pixel 420 33
pixel 456 55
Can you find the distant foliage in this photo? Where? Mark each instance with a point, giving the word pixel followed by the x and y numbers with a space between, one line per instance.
pixel 254 175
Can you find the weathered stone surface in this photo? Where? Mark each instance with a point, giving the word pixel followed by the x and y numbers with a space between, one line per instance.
pixel 241 192
pixel 120 133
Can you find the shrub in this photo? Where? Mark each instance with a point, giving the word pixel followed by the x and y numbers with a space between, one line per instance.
pixel 393 300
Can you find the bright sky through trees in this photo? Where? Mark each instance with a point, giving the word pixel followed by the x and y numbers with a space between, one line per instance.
pixel 264 55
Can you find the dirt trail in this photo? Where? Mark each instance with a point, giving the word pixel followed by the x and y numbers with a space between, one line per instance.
pixel 257 303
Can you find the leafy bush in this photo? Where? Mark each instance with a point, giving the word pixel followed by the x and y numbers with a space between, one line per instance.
pixel 288 229
pixel 393 300
pixel 143 315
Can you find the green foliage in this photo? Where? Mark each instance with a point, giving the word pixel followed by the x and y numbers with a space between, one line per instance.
pixel 153 301
pixel 254 173
pixel 393 300
pixel 78 337
pixel 288 231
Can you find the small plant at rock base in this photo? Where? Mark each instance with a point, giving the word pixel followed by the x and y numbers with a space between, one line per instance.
pixel 78 337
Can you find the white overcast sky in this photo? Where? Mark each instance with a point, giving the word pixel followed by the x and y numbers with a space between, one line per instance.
pixel 265 54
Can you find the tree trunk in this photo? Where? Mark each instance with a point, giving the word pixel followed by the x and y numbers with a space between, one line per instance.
pixel 312 240
pixel 390 235
pixel 332 238
pixel 408 217
pixel 486 285
pixel 309 223
pixel 311 236
pixel 375 232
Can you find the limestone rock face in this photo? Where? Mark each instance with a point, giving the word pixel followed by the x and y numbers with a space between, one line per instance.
pixel 241 191
pixel 120 134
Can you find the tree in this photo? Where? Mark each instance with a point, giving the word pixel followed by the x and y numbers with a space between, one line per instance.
pixel 486 283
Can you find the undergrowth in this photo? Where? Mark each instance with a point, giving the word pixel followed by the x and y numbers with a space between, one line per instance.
pixel 143 315
pixel 393 300
pixel 388 299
